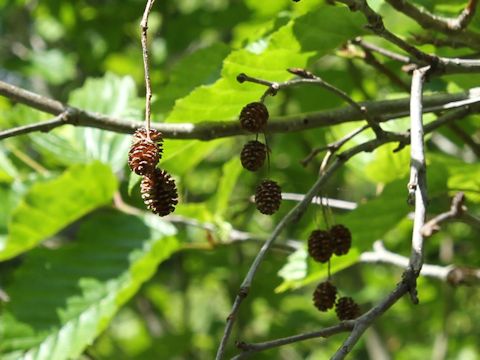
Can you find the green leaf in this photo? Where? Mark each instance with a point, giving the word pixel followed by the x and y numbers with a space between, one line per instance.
pixel 383 213
pixel 387 165
pixel 182 156
pixel 199 68
pixel 51 205
pixel 63 298
pixel 54 66
pixel 316 271
pixel 110 95
pixel 267 59
pixel 461 176
pixel 230 173
pixel 8 171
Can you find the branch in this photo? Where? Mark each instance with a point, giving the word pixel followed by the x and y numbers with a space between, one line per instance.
pixel 317 200
pixel 333 147
pixel 208 130
pixel 440 65
pixel 449 26
pixel 454 275
pixel 148 95
pixel 417 185
pixel 456 211
pixel 249 349
pixel 307 77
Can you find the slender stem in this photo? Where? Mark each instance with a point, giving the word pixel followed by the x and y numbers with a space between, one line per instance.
pixel 43 126
pixel 148 96
pixel 309 78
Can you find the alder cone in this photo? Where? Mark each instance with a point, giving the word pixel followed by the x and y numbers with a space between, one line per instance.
pixel 347 309
pixel 253 117
pixel 324 296
pixel 342 239
pixel 268 197
pixel 253 155
pixel 320 245
pixel 145 153
pixel 159 192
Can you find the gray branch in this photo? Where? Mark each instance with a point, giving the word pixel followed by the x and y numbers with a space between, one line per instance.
pixel 440 65
pixel 208 130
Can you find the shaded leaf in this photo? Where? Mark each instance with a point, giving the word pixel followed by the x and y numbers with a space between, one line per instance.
pixel 50 206
pixel 63 298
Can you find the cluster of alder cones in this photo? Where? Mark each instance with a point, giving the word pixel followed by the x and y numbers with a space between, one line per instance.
pixel 268 195
pixel 322 245
pixel 159 192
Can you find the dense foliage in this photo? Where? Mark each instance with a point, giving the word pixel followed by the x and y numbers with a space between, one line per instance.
pixel 87 272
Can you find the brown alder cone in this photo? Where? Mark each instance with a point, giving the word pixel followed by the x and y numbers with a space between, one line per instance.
pixel 253 155
pixel 347 309
pixel 145 153
pixel 320 245
pixel 159 192
pixel 268 197
pixel 342 239
pixel 253 117
pixel 324 296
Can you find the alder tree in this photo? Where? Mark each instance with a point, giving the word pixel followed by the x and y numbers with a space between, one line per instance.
pixel 239 179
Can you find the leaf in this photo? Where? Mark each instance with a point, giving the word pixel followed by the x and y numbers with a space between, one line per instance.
pixel 62 299
pixel 316 271
pixel 387 165
pixel 110 95
pixel 49 206
pixel 370 221
pixel 268 60
pixel 182 156
pixel 461 176
pixel 199 68
pixel 230 173
pixel 8 171
pixel 54 66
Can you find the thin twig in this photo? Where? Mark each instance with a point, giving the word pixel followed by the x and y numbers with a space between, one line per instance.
pixel 250 349
pixel 382 51
pixel 43 126
pixel 450 26
pixel 456 210
pixel 335 146
pixel 371 60
pixel 309 78
pixel 324 201
pixel 454 275
pixel 148 95
pixel 440 65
